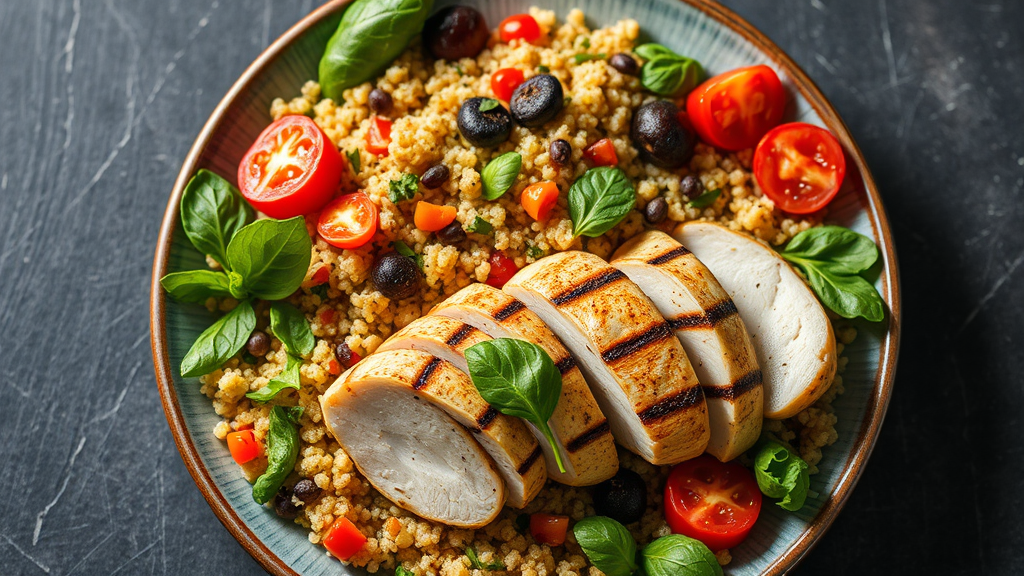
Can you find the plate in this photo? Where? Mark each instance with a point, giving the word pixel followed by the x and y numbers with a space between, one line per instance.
pixel 721 41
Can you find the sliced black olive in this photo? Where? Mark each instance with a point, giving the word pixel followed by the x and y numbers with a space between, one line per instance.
pixel 484 129
pixel 455 32
pixel 560 152
pixel 622 497
pixel 537 100
pixel 395 276
pixel 659 135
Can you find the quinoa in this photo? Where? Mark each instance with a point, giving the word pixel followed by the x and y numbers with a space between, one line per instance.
pixel 426 97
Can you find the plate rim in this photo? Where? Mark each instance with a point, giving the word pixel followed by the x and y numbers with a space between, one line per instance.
pixel 867 434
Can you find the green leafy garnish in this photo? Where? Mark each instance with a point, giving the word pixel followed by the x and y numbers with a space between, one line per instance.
pixel 586 42
pixel 403 249
pixel 581 58
pixel 833 258
pixel 599 200
pixel 518 378
pixel 781 474
pixel 607 544
pixel 404 188
pixel 402 571
pixel 290 326
pixel 705 199
pixel 282 450
pixel 534 251
pixel 667 73
pixel 288 378
pixel 499 174
pixel 196 286
pixel 543 69
pixel 678 555
pixel 321 290
pixel 612 549
pixel 270 257
pixel 474 561
pixel 354 160
pixel 480 226
pixel 212 212
pixel 220 341
pixel 489 104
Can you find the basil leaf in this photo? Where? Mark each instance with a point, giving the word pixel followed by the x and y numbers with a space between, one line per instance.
pixel 781 474
pixel 403 249
pixel 706 199
pixel 372 33
pixel 847 295
pixel 543 69
pixel 196 286
pixel 586 42
pixel 518 378
pixel 321 291
pixel 404 188
pixel 599 200
pixel 354 160
pixel 402 571
pixel 650 51
pixel 288 378
pixel 489 104
pixel 846 251
pixel 271 256
pixel 667 73
pixel 474 561
pixel 282 450
pixel 220 341
pixel 480 226
pixel 581 58
pixel 500 174
pixel 290 326
pixel 212 212
pixel 678 555
pixel 236 286
pixel 534 251
pixel 607 544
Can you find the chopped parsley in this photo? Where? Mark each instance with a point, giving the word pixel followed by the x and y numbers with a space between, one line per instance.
pixel 480 226
pixel 404 188
pixel 354 160
pixel 581 58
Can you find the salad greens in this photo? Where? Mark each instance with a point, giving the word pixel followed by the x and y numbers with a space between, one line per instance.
pixel 220 341
pixel 599 200
pixel 290 326
pixel 607 544
pixel 282 450
pixel 474 561
pixel 610 547
pixel 212 212
pixel 500 174
pixel 678 555
pixel 196 286
pixel 781 474
pixel 666 73
pixel 288 378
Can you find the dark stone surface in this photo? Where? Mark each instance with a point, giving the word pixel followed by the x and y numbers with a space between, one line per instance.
pixel 101 100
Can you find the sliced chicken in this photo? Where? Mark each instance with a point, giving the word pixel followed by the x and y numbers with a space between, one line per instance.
pixel 410 450
pixel 579 426
pixel 792 336
pixel 711 331
pixel 635 366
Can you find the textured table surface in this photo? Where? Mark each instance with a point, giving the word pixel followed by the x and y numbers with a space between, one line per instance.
pixel 102 99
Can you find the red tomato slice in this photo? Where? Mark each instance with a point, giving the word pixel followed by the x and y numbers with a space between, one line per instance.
pixel 601 153
pixel 734 110
pixel 292 169
pixel 505 81
pixel 503 269
pixel 713 502
pixel 800 167
pixel 344 539
pixel 378 136
pixel 549 528
pixel 243 446
pixel 349 222
pixel 519 27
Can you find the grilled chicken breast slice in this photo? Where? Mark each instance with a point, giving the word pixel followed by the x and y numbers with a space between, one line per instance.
pixel 635 366
pixel 792 336
pixel 711 331
pixel 410 450
pixel 578 425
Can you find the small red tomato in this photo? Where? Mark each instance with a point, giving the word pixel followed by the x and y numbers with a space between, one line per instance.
pixel 519 27
pixel 714 502
pixel 349 222
pixel 601 153
pixel 333 367
pixel 505 81
pixel 548 528
pixel 539 198
pixel 243 446
pixel 503 268
pixel 378 136
pixel 327 316
pixel 291 170
pixel 321 276
pixel 800 167
pixel 343 540
pixel 734 110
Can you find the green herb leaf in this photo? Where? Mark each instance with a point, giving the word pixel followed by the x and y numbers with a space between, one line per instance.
pixel 500 174
pixel 650 51
pixel 518 378
pixel 459 70
pixel 706 199
pixel 534 251
pixel 581 58
pixel 288 378
pixel 404 188
pixel 543 69
pixel 321 291
pixel 474 561
pixel 667 73
pixel 282 450
pixel 480 226
pixel 678 555
pixel 586 42
pixel 212 212
pixel 403 249
pixel 220 341
pixel 271 256
pixel 489 104
pixel 236 286
pixel 372 33
pixel 607 544
pixel 402 571
pixel 290 326
pixel 845 294
pixel 599 200
pixel 781 474
pixel 354 160
pixel 195 286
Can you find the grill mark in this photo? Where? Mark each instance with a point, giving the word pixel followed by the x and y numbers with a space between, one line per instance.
pixel 744 384
pixel 486 418
pixel 565 364
pixel 669 256
pixel 579 442
pixel 587 286
pixel 530 460
pixel 704 321
pixel 508 310
pixel 423 379
pixel 461 334
pixel 654 334
pixel 721 311
pixel 668 406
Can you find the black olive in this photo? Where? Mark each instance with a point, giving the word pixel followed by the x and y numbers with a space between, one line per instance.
pixel 656 210
pixel 537 100
pixel 283 504
pixel 690 187
pixel 484 129
pixel 622 497
pixel 659 135
pixel 452 233
pixel 258 344
pixel 306 490
pixel 624 63
pixel 455 32
pixel 435 176
pixel 560 152
pixel 343 354
pixel 380 101
pixel 395 276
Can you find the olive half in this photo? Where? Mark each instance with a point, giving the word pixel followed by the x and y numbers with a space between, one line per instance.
pixel 537 100
pixel 486 128
pixel 660 136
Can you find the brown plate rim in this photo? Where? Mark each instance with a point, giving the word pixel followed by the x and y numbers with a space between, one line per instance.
pixel 889 347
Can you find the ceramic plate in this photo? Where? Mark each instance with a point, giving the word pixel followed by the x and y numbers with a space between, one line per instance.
pixel 702 29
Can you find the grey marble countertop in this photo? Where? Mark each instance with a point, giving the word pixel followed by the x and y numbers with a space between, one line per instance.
pixel 102 98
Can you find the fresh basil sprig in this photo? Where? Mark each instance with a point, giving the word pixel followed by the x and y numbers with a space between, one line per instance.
pixel 599 200
pixel 212 212
pixel 500 174
pixel 220 341
pixel 706 199
pixel 666 73
pixel 781 474
pixel 288 378
pixel 270 257
pixel 196 286
pixel 678 555
pixel 474 561
pixel 833 258
pixel 610 547
pixel 282 450
pixel 518 378
pixel 290 326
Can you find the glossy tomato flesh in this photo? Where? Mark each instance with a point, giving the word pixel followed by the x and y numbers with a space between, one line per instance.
pixel 519 27
pixel 602 153
pixel 549 529
pixel 714 502
pixel 343 540
pixel 734 110
pixel 800 167
pixel 378 137
pixel 503 269
pixel 243 446
pixel 292 169
pixel 505 81
pixel 349 222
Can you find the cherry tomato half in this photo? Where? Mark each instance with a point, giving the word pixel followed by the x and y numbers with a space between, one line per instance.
pixel 734 110
pixel 549 528
pixel 349 222
pixel 292 169
pixel 519 27
pixel 378 136
pixel 343 540
pixel 601 153
pixel 505 81
pixel 503 269
pixel 800 167
pixel 243 446
pixel 714 502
